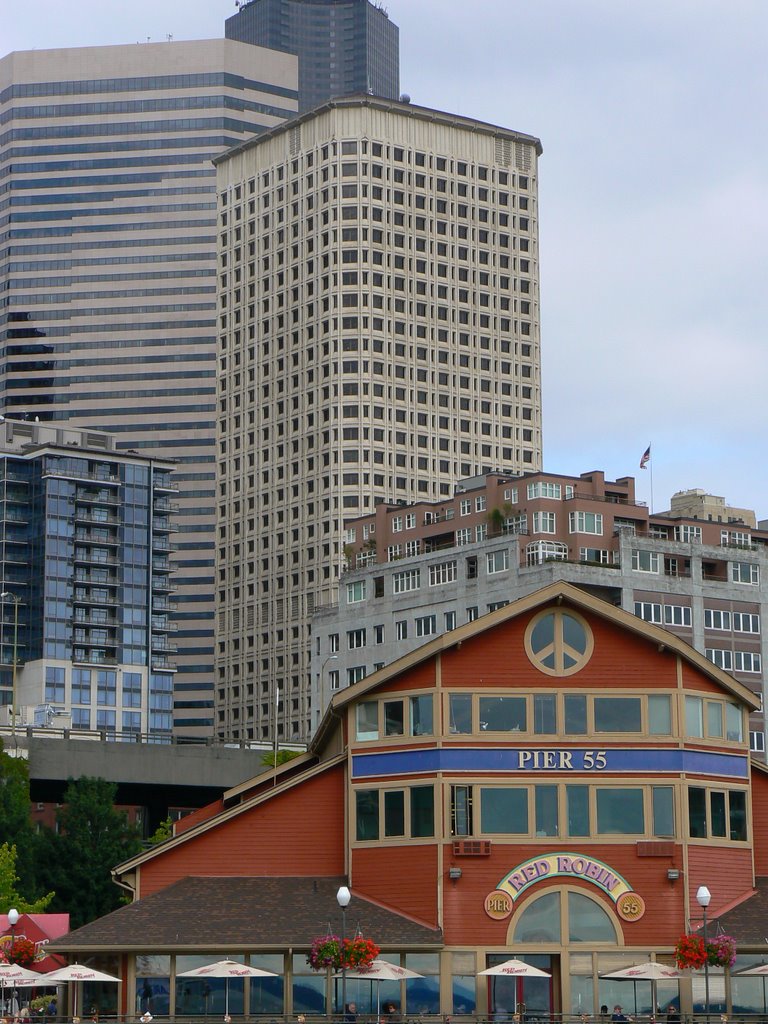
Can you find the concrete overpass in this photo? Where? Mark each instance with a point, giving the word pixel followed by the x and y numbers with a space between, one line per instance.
pixel 149 774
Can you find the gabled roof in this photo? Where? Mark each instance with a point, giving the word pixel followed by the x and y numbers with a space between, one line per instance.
pixel 233 913
pixel 127 867
pixel 559 592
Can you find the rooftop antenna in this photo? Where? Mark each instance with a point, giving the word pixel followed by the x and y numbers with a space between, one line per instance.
pixel 169 37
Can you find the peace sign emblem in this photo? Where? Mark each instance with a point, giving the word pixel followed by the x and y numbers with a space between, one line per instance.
pixel 559 642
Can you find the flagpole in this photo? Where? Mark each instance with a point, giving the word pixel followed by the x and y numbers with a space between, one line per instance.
pixel 651 462
pixel 277 711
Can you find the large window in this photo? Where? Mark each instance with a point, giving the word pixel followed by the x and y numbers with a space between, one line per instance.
pixel 645 561
pixel 585 522
pixel 717 814
pixel 620 812
pixel 704 718
pixel 544 522
pixel 580 811
pixel 405 581
pixel 503 714
pixel 563 917
pixel 745 572
pixel 395 813
pixel 618 714
pixel 504 810
pixel 442 572
pixel 497 561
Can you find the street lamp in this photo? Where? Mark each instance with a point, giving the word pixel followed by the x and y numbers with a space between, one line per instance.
pixel 13 920
pixel 343 896
pixel 8 596
pixel 703 898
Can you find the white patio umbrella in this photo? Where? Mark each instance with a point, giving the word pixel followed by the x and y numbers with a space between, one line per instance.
pixel 15 976
pixel 650 970
pixel 75 972
pixel 381 970
pixel 515 968
pixel 226 969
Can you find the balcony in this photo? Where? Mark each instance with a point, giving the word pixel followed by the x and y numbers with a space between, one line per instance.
pixel 164 505
pixel 98 579
pixel 163 664
pixel 97 536
pixel 103 519
pixel 160 624
pixel 163 584
pixel 100 497
pixel 88 558
pixel 96 657
pixel 161 645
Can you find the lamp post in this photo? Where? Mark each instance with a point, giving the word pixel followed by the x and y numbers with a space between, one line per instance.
pixel 13 920
pixel 703 898
pixel 8 596
pixel 343 896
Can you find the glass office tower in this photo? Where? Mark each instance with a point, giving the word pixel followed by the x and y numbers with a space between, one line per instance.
pixel 343 46
pixel 108 267
pixel 86 589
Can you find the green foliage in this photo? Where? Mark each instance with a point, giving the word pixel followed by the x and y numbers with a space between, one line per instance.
pixel 9 893
pixel 268 759
pixel 163 831
pixel 94 837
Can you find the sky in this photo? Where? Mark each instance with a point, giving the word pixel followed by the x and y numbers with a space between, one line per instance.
pixel 653 205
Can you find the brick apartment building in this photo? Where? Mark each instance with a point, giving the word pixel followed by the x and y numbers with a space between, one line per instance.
pixel 421 569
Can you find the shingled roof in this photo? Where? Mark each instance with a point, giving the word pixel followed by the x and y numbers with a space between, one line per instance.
pixel 748 921
pixel 236 913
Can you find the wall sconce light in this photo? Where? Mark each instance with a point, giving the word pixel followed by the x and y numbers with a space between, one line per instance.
pixel 454 873
pixel 673 874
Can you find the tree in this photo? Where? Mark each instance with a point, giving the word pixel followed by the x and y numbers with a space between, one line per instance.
pixel 94 838
pixel 268 758
pixel 9 894
pixel 16 827
pixel 163 831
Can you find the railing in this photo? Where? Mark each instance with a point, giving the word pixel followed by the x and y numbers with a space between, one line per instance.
pixel 120 736
pixel 715 1016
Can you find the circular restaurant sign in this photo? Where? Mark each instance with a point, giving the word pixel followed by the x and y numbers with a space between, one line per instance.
pixel 498 904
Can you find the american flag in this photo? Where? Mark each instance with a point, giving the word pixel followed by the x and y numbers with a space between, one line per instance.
pixel 645 457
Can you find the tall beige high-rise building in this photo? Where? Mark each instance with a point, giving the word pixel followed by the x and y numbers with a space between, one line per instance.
pixel 378 341
pixel 108 271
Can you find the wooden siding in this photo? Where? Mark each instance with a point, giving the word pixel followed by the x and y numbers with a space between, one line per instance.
pixel 760 820
pixel 620 659
pixel 297 832
pixel 726 872
pixel 403 878
pixel 465 920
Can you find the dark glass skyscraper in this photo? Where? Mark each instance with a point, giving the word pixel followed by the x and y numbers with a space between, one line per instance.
pixel 108 268
pixel 344 46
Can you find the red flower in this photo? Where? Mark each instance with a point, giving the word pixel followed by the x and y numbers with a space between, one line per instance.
pixel 22 952
pixel 327 951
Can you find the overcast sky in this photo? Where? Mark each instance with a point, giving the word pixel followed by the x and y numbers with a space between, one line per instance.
pixel 653 204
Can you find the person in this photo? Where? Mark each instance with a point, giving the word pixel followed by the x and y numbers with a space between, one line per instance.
pixel 51 1009
pixel 350 1013
pixel 618 1013
pixel 604 1011
pixel 673 1014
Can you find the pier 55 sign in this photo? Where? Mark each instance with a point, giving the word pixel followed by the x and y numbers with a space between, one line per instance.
pixel 629 904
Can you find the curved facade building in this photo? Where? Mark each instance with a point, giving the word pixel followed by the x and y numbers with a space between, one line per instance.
pixel 554 781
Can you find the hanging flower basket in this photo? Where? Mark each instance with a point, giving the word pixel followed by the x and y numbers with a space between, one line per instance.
pixel 692 952
pixel 22 952
pixel 357 953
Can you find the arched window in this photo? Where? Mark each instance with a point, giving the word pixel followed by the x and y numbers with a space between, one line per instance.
pixel 563 917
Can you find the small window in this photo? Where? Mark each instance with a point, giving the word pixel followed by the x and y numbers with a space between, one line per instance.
pixel 460 712
pixel 503 714
pixel 368 720
pixel 367 806
pixel 421 715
